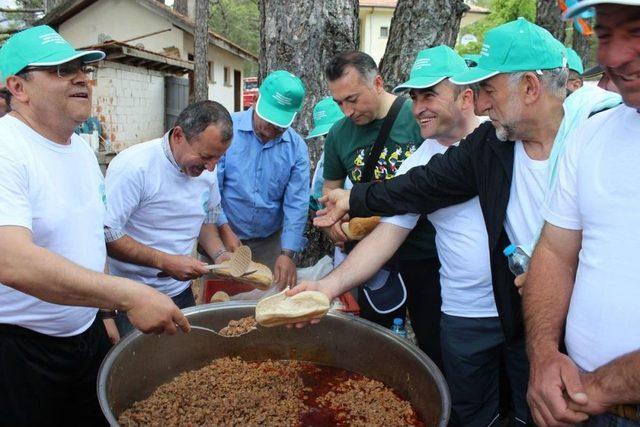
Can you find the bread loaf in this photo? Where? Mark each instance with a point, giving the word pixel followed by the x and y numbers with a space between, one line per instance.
pixel 280 309
pixel 358 228
pixel 262 279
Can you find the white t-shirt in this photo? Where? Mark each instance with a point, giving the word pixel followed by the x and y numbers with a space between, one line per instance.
pixel 463 248
pixel 528 189
pixel 151 201
pixel 57 192
pixel 598 191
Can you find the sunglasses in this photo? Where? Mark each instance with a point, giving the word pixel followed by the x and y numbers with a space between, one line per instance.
pixel 66 71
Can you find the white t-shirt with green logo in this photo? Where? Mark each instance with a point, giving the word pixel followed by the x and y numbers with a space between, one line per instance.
pixel 57 192
pixel 154 203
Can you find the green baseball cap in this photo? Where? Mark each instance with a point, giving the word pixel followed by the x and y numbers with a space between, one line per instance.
pixel 471 59
pixel 515 46
pixel 281 96
pixel 582 6
pixel 40 46
pixel 325 114
pixel 432 66
pixel 574 62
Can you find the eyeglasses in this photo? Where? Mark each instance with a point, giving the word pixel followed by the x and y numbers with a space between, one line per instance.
pixel 66 71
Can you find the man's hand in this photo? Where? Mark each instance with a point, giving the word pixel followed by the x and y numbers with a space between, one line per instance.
pixel 112 330
pixel 307 286
pixel 229 238
pixel 552 377
pixel 225 256
pixel 153 312
pixel 336 235
pixel 597 403
pixel 520 281
pixel 284 272
pixel 183 268
pixel 336 206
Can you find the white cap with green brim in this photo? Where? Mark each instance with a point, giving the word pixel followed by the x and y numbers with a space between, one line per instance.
pixel 40 46
pixel 325 114
pixel 514 47
pixel 432 66
pixel 581 6
pixel 281 96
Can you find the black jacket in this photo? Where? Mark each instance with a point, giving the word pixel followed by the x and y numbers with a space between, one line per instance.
pixel 481 165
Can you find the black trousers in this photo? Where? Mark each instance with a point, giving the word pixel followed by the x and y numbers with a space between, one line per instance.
pixel 50 381
pixel 422 280
pixel 476 355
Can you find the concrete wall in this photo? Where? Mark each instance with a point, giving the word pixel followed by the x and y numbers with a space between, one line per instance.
pixel 125 19
pixel 129 102
pixel 371 20
pixel 122 20
pixel 220 58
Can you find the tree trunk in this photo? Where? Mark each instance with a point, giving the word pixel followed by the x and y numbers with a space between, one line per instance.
pixel 582 46
pixel 548 16
pixel 201 39
pixel 181 7
pixel 51 4
pixel 418 25
pixel 302 36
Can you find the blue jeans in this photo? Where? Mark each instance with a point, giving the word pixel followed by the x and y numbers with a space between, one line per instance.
pixel 183 300
pixel 609 420
pixel 472 351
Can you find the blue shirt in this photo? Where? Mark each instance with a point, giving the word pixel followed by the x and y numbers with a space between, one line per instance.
pixel 265 186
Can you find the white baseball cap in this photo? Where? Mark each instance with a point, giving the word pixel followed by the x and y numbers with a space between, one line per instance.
pixel 583 5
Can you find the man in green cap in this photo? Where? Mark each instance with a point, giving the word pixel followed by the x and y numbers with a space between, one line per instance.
pixel 576 69
pixel 357 87
pixel 52 207
pixel 582 287
pixel 264 179
pixel 473 343
pixel 325 114
pixel 509 164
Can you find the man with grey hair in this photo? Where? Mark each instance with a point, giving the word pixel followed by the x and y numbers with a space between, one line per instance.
pixel 163 197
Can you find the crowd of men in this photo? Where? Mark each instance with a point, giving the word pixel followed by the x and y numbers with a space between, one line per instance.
pixel 506 148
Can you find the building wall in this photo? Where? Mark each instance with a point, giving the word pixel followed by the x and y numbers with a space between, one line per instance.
pixel 121 20
pixel 372 19
pixel 219 58
pixel 129 102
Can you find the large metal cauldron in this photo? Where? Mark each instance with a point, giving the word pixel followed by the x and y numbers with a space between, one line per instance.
pixel 140 363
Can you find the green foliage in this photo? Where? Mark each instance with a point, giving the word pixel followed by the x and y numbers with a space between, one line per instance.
pixel 473 47
pixel 238 21
pixel 501 11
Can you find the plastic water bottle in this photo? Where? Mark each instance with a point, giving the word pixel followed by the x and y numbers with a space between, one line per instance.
pixel 398 327
pixel 518 259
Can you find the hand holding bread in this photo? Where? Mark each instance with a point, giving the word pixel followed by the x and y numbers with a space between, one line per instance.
pixel 358 228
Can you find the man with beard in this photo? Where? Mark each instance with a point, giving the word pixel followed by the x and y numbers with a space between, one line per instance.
pixel 473 343
pixel 163 197
pixel 583 275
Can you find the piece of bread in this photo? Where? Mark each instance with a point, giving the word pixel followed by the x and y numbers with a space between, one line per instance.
pixel 358 228
pixel 280 309
pixel 262 279
pixel 219 296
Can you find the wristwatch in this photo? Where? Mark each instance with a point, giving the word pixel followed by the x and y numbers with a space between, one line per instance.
pixel 291 254
pixel 216 255
pixel 108 314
